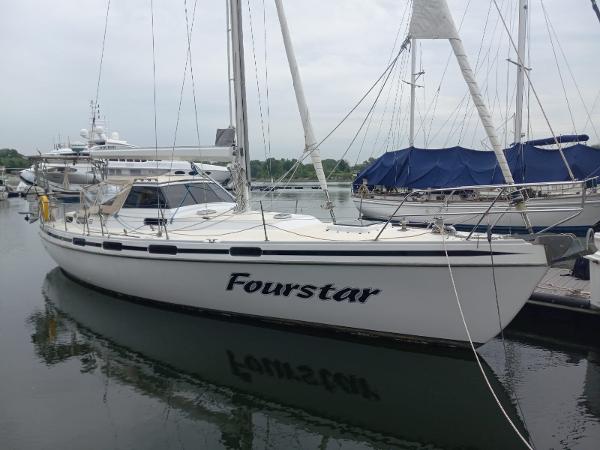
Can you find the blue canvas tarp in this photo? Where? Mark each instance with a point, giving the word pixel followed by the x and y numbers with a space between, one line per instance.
pixel 417 168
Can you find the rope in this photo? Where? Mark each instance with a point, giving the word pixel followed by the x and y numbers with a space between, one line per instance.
pixel 476 355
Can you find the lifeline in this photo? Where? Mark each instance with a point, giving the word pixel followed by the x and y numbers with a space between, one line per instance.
pixel 305 291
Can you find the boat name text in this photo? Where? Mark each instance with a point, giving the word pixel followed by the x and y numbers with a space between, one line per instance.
pixel 303 291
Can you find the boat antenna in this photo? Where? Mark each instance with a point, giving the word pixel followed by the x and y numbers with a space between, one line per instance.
pixel 310 143
pixel 241 163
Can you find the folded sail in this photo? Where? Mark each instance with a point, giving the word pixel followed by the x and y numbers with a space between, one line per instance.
pixel 431 19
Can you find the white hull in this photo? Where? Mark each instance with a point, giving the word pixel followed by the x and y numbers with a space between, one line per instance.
pixel 363 384
pixel 402 294
pixel 542 212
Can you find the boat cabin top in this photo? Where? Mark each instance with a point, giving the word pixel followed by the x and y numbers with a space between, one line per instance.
pixel 166 194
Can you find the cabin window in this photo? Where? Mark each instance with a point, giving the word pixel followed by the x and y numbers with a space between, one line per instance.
pixel 194 194
pixel 176 195
pixel 145 197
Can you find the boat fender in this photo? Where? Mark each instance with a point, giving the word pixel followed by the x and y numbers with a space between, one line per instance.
pixel 44 208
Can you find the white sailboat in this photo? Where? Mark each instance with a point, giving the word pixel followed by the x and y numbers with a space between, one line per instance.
pixel 181 243
pixel 572 206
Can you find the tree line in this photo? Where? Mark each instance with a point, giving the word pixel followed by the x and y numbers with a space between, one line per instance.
pixel 12 159
pixel 335 170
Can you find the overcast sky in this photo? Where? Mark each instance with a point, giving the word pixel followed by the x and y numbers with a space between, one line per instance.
pixel 50 55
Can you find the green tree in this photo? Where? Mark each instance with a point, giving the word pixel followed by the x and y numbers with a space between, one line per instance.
pixel 10 158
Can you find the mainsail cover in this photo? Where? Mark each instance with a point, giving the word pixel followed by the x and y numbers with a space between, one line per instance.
pixel 417 168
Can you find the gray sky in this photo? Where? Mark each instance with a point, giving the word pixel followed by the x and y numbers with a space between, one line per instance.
pixel 50 54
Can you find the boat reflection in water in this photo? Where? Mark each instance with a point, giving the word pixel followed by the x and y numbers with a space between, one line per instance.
pixel 313 389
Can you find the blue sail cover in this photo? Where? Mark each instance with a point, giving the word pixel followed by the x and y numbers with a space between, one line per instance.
pixel 417 168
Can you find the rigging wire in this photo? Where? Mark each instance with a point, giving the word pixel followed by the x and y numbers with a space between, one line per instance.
pixel 537 98
pixel 587 111
pixel 361 125
pixel 189 52
pixel 100 66
pixel 267 89
pixel 593 108
pixel 306 154
pixel 434 102
pixel 562 81
pixel 187 59
pixel 402 20
pixel 256 76
pixel 154 81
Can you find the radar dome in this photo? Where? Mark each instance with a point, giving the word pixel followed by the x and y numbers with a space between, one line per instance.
pixel 83 133
pixel 114 135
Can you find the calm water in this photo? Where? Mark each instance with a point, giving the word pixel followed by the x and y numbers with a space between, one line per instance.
pixel 83 369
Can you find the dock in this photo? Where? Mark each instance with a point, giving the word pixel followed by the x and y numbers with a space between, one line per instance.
pixel 560 290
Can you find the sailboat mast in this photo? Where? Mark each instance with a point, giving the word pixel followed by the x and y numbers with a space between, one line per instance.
pixel 242 157
pixel 522 38
pixel 413 87
pixel 229 79
pixel 432 20
pixel 310 143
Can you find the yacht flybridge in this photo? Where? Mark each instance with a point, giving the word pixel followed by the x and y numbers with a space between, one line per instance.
pixel 186 243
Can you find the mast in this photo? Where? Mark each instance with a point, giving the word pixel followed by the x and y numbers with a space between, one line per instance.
pixel 413 87
pixel 432 20
pixel 229 79
pixel 310 143
pixel 242 158
pixel 522 38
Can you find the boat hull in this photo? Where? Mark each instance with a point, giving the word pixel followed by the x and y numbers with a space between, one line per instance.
pixel 542 213
pixel 374 295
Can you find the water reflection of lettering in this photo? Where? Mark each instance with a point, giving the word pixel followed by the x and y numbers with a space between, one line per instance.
pixel 251 366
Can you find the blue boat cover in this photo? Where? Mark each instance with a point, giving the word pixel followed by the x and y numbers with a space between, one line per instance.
pixel 418 168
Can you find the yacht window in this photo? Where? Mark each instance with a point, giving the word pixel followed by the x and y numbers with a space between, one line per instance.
pixel 144 197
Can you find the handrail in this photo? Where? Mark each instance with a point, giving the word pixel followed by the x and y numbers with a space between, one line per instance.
pixel 391 217
pixel 485 213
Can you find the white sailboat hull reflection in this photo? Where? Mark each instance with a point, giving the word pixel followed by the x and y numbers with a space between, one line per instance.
pixel 382 396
